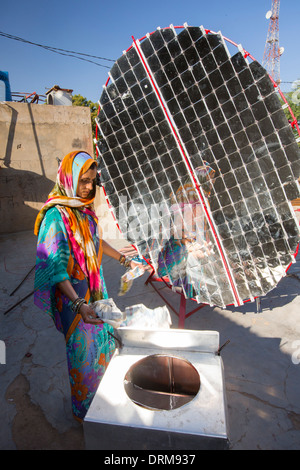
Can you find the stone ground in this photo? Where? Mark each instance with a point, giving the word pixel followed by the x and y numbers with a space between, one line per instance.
pixel 261 362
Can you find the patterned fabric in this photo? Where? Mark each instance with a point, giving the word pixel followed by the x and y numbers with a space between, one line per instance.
pixel 172 263
pixel 89 351
pixel 56 262
pixel 67 235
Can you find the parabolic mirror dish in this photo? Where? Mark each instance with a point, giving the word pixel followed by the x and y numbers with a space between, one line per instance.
pixel 199 164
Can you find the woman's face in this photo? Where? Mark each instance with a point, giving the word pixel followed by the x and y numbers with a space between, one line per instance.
pixel 86 184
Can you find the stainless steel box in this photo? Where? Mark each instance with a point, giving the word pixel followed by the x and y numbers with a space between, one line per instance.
pixel 121 417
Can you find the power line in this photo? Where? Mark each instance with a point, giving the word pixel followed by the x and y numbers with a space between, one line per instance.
pixel 59 51
pixel 66 52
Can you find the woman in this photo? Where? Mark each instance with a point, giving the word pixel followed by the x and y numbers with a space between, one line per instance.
pixel 69 275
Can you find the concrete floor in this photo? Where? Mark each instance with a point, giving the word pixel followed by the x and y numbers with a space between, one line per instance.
pixel 262 373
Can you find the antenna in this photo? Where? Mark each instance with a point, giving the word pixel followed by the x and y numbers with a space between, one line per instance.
pixel 272 53
pixel 269 14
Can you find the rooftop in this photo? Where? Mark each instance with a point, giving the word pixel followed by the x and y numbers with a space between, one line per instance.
pixel 261 362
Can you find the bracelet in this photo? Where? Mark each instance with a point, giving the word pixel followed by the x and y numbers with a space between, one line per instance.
pixel 124 261
pixel 76 305
pixel 73 306
pixel 79 305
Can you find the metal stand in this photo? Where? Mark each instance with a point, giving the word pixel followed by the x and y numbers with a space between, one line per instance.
pixel 182 314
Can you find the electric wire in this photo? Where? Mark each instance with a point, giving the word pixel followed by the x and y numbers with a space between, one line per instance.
pixel 60 51
pixel 66 52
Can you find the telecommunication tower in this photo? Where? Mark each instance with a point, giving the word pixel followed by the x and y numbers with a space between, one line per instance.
pixel 272 53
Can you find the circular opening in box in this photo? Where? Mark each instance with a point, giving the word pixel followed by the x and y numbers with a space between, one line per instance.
pixel 162 382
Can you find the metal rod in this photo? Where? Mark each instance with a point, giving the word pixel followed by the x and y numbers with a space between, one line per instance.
pixel 117 339
pixel 258 305
pixel 19 302
pixel 12 293
pixel 182 310
pixel 225 344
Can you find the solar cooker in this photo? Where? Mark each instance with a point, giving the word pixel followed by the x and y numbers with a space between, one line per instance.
pixel 199 165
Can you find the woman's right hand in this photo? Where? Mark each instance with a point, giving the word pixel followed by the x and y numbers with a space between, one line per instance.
pixel 89 316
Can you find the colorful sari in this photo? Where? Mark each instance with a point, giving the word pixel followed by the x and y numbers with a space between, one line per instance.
pixel 69 248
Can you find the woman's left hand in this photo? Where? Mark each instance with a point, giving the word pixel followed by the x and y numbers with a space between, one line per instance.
pixel 89 316
pixel 131 251
pixel 144 267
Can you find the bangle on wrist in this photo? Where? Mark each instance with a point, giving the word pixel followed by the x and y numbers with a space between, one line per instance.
pixel 124 261
pixel 76 305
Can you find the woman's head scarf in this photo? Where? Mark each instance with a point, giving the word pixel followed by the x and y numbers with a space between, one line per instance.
pixel 73 211
pixel 70 170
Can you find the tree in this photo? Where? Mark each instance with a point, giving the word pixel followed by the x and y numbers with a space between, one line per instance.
pixel 293 103
pixel 78 100
pixel 293 99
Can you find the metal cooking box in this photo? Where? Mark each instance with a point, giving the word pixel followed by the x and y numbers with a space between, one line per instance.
pixel 163 390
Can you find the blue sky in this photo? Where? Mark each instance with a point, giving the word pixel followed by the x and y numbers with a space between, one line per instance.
pixel 104 28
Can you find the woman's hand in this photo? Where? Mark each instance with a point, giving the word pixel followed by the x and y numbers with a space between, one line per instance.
pixel 134 264
pixel 89 316
pixel 131 251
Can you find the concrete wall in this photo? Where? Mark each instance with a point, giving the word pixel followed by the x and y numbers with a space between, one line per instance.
pixel 32 137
